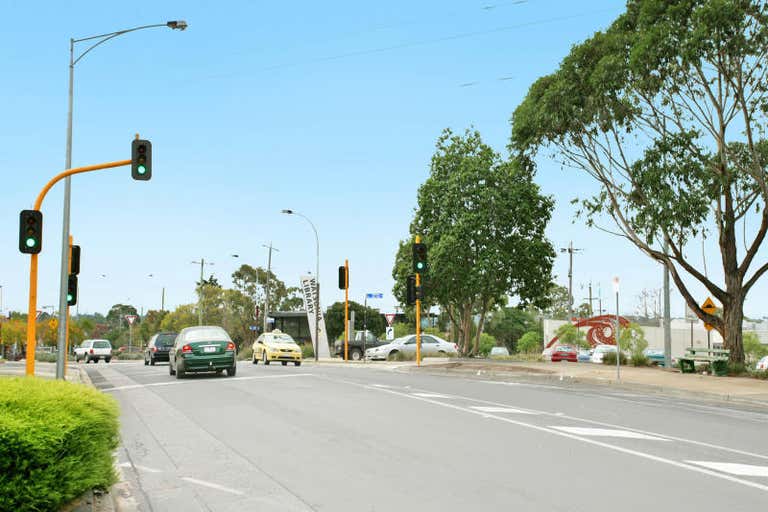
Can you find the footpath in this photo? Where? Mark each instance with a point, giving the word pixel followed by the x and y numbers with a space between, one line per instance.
pixel 742 390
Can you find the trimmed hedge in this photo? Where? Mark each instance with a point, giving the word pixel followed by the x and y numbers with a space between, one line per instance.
pixel 56 442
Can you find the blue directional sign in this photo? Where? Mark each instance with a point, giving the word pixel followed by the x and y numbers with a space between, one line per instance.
pixel 375 295
pixel 253 327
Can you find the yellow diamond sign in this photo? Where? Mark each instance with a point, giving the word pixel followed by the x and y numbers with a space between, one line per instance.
pixel 709 308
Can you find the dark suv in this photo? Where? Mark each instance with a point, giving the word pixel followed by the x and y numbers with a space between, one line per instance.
pixel 158 347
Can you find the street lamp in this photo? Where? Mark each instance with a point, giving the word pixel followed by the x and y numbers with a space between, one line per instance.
pixel 64 276
pixel 317 277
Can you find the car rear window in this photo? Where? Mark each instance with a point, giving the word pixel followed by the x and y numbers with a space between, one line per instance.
pixel 206 334
pixel 101 344
pixel 165 340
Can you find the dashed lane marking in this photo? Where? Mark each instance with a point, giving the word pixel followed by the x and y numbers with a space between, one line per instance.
pixel 431 395
pixel 212 485
pixel 192 381
pixel 501 409
pixel 606 432
pixel 732 468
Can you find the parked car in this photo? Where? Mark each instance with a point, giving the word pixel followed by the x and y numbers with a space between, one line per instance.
pixel 656 356
pixel 93 350
pixel 202 349
pixel 584 355
pixel 276 346
pixel 498 352
pixel 600 351
pixel 762 364
pixel 564 353
pixel 430 345
pixel 159 347
pixel 547 353
pixel 359 342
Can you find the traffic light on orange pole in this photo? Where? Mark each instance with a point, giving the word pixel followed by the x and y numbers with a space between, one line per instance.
pixel 141 159
pixel 30 231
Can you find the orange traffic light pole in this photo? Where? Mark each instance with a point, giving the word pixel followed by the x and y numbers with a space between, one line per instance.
pixel 418 313
pixel 32 311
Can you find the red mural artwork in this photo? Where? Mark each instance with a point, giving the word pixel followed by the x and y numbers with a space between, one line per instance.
pixel 599 329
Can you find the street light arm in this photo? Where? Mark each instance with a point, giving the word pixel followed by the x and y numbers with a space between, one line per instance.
pixel 106 37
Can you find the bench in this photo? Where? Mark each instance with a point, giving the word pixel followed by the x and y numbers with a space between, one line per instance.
pixel 716 357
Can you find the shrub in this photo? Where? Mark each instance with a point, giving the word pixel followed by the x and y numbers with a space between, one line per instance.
pixel 735 369
pixel 245 354
pixel 610 358
pixel 45 357
pixel 56 442
pixel 638 359
pixel 760 374
pixel 128 355
pixel 569 334
pixel 529 343
pixel 307 351
pixel 487 342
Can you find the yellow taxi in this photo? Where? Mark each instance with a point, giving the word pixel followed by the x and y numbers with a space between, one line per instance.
pixel 276 346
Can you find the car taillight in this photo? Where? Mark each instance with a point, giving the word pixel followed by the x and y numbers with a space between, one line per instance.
pixel 186 349
pixel 91 351
pixel 230 346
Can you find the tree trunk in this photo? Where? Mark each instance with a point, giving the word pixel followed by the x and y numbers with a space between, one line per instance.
pixel 466 328
pixel 480 326
pixel 733 317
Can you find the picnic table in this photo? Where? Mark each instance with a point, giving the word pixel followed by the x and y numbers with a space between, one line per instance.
pixel 716 357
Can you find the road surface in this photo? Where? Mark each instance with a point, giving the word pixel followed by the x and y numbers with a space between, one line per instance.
pixel 332 438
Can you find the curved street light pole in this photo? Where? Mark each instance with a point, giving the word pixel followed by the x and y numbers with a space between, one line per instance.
pixel 317 277
pixel 64 277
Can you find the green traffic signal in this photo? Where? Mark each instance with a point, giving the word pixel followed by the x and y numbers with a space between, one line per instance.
pixel 31 242
pixel 69 298
pixel 30 231
pixel 141 169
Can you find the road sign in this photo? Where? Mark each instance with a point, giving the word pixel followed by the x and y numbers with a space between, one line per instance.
pixel 390 333
pixel 374 295
pixel 390 318
pixel 709 308
pixel 131 319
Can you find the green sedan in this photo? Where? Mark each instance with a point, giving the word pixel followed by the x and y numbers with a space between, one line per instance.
pixel 202 349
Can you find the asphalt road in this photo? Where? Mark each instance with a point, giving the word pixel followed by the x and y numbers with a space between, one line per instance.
pixel 337 438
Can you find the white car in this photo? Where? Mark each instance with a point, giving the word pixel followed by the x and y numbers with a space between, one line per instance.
pixel 93 350
pixel 762 364
pixel 430 346
pixel 499 352
pixel 600 351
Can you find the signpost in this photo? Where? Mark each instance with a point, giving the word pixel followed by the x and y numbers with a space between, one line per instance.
pixel 390 318
pixel 130 319
pixel 390 333
pixel 709 308
pixel 365 315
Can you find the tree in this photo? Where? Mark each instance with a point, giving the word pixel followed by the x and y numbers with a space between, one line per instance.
pixel 583 310
pixel 507 325
pixel 753 349
pixel 183 316
pixel 211 301
pixel 487 342
pixel 293 301
pixel 151 324
pixel 666 111
pixel 334 319
pixel 556 303
pixel 569 334
pixel 483 220
pixel 116 314
pixel 632 339
pixel 239 313
pixel 529 342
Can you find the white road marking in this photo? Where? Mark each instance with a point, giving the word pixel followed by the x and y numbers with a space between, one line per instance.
pixel 223 380
pixel 212 485
pixel 732 468
pixel 431 395
pixel 485 408
pixel 607 432
pixel 586 440
pixel 142 468
pixel 387 386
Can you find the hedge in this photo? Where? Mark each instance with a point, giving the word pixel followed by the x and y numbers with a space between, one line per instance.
pixel 56 442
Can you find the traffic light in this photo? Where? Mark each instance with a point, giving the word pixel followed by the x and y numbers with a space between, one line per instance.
pixel 72 290
pixel 74 262
pixel 141 159
pixel 342 277
pixel 30 231
pixel 419 258
pixel 410 290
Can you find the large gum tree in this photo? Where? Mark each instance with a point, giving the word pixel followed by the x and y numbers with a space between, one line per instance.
pixel 666 110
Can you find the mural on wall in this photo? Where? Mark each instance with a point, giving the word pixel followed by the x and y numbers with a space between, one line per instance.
pixel 600 329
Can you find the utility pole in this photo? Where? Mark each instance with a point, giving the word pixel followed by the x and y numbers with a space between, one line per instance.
pixel 570 250
pixel 667 317
pixel 266 286
pixel 591 311
pixel 162 300
pixel 202 264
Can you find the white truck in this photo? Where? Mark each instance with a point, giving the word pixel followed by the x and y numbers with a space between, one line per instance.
pixel 93 350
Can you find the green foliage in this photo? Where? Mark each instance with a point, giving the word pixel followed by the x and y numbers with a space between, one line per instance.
pixel 610 358
pixel 638 359
pixel 245 353
pixel 128 356
pixel 402 329
pixel 487 342
pixel 116 315
pixel 334 318
pixel 569 334
pixel 183 316
pixel 632 339
pixel 737 369
pixel 56 442
pixel 753 349
pixel 45 357
pixel 509 324
pixel 760 374
pixel 529 343
pixel 307 351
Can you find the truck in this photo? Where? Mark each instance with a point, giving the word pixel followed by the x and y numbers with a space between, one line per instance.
pixel 359 342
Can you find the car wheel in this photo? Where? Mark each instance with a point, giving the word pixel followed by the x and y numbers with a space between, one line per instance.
pixel 255 360
pixel 297 363
pixel 152 360
pixel 356 354
pixel 180 373
pixel 219 372
pixel 107 359
pixel 392 356
pixel 146 363
pixel 285 363
pixel 232 371
pixel 171 371
pixel 265 358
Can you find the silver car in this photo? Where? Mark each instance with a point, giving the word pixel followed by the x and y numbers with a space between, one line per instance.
pixel 431 345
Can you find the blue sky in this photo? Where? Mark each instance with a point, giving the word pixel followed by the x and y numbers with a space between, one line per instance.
pixel 331 109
